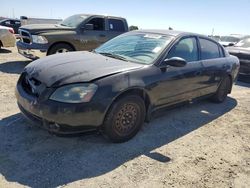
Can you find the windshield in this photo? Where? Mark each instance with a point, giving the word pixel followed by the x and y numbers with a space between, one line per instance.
pixel 229 39
pixel 140 48
pixel 244 43
pixel 73 21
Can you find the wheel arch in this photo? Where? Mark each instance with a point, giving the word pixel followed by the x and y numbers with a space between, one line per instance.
pixel 60 42
pixel 231 82
pixel 134 91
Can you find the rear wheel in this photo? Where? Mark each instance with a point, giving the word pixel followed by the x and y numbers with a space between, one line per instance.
pixel 222 91
pixel 60 48
pixel 124 119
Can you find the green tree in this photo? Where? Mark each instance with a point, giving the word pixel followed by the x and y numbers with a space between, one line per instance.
pixel 133 27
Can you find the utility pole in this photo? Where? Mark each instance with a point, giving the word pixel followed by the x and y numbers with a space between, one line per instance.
pixel 213 32
pixel 13 13
pixel 51 13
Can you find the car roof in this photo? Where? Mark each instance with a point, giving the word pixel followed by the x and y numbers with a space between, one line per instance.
pixel 173 33
pixel 6 19
pixel 109 16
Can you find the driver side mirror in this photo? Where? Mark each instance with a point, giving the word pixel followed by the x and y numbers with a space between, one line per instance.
pixel 175 62
pixel 88 27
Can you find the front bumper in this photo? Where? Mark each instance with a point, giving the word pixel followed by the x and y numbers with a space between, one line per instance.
pixel 32 51
pixel 60 117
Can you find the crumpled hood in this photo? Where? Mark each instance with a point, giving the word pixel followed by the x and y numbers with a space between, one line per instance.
pixel 72 67
pixel 42 28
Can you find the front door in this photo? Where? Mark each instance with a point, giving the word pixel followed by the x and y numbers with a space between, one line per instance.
pixel 92 38
pixel 181 83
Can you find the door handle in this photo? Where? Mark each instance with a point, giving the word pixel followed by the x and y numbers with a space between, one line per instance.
pixel 224 66
pixel 102 35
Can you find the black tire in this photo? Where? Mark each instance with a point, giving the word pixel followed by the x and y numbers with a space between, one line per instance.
pixel 124 119
pixel 60 48
pixel 222 91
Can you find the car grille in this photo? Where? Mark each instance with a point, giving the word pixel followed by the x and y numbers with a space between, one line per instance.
pixel 31 85
pixel 25 36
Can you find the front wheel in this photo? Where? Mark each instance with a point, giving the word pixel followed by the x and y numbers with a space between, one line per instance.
pixel 222 91
pixel 124 119
pixel 60 48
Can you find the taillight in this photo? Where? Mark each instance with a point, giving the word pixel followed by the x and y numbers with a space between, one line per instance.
pixel 11 30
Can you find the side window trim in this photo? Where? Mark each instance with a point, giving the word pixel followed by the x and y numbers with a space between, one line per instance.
pixel 221 51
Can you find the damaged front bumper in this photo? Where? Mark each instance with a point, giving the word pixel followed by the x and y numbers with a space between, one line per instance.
pixel 32 51
pixel 59 117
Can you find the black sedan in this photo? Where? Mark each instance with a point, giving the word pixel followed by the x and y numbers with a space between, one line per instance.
pixel 242 51
pixel 117 87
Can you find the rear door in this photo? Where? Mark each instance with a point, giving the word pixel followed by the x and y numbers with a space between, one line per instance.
pixel 214 65
pixel 181 83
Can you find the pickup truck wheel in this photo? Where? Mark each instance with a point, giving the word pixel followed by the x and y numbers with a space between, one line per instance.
pixel 60 48
pixel 222 91
pixel 124 119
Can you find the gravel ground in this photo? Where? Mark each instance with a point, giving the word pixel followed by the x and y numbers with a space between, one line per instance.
pixel 196 145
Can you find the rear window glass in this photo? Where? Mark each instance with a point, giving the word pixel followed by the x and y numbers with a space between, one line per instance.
pixel 209 49
pixel 116 25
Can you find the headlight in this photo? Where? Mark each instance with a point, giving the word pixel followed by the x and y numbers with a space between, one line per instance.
pixel 76 93
pixel 39 39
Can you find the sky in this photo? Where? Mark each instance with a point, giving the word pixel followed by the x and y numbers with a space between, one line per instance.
pixel 199 16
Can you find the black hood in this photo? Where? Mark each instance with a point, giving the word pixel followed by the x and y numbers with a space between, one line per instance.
pixel 73 67
pixel 42 28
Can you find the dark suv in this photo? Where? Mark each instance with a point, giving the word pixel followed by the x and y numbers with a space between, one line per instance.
pixel 13 23
pixel 78 32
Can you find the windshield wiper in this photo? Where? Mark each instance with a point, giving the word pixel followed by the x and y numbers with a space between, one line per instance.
pixel 114 56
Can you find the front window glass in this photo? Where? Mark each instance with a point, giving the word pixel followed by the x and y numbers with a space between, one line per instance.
pixel 140 48
pixel 244 43
pixel 73 21
pixel 186 49
pixel 98 24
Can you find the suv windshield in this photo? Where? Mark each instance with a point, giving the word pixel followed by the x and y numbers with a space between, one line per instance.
pixel 140 48
pixel 244 43
pixel 73 21
pixel 229 39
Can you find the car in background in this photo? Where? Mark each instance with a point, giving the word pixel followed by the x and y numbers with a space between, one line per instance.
pixel 7 37
pixel 229 40
pixel 242 51
pixel 76 33
pixel 13 23
pixel 215 37
pixel 116 87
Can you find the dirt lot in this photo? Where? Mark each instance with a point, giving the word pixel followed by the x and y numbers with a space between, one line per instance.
pixel 197 145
